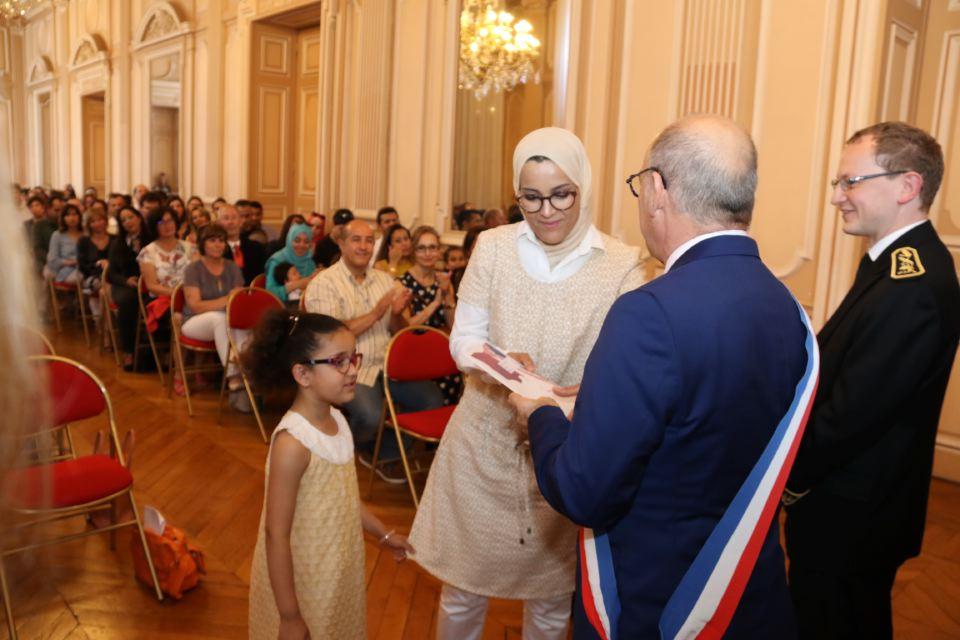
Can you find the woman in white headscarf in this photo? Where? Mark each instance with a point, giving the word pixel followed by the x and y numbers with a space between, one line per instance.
pixel 539 289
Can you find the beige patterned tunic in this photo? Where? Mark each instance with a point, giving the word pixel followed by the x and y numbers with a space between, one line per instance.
pixel 482 525
pixel 326 541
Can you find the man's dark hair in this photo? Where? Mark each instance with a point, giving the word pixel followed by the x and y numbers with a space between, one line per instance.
pixel 280 272
pixel 899 146
pixel 39 199
pixel 242 202
pixel 154 196
pixel 57 195
pixel 382 211
pixel 255 204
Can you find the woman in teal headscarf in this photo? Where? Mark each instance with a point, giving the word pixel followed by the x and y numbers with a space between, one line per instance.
pixel 284 282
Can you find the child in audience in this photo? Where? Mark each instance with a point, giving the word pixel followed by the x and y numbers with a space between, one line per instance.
pixel 287 272
pixel 307 578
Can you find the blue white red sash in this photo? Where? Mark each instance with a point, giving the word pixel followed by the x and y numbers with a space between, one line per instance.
pixel 705 600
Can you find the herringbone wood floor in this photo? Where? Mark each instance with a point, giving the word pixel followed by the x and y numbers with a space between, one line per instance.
pixel 208 479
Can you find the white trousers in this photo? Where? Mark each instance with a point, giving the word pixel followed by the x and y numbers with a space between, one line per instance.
pixel 212 325
pixel 462 613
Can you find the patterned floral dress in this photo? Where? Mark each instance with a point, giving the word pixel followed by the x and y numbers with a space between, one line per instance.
pixel 451 386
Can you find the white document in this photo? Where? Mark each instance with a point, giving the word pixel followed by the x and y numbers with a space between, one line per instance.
pixel 154 521
pixel 511 374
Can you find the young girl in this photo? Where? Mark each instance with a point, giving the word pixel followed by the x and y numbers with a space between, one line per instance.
pixel 307 579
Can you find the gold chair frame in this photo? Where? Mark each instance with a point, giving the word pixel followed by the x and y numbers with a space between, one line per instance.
pixel 234 351
pixel 77 288
pixel 176 354
pixel 390 408
pixel 142 326
pixel 35 517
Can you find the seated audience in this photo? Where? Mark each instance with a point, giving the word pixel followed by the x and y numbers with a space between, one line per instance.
pixel 39 230
pixel 194 202
pixel 327 250
pixel 93 253
pixel 371 304
pixel 138 193
pixel 62 252
pixel 89 197
pixel 247 254
pixel 396 252
pixel 386 218
pixel 164 261
pixel 494 218
pixel 286 272
pixel 275 245
pixel 123 272
pixel 297 253
pixel 207 283
pixel 433 301
pixel 471 219
pixel 176 203
pixel 151 202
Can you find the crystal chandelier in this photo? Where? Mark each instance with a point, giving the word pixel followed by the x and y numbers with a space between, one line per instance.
pixel 496 53
pixel 15 9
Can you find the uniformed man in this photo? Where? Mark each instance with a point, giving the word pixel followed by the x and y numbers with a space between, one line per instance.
pixel 857 496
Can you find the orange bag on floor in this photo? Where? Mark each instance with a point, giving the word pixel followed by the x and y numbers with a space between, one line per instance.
pixel 178 563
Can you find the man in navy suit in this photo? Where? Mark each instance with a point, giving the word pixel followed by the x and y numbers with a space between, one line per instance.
pixel 681 399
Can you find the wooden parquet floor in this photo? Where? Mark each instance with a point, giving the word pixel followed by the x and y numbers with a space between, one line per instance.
pixel 208 479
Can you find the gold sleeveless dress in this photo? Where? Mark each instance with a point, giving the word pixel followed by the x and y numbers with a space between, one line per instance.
pixel 326 541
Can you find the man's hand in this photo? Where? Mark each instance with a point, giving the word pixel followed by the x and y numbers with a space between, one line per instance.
pixel 567 392
pixel 525 406
pixel 384 303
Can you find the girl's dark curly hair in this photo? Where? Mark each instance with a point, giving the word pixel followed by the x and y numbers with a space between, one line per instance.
pixel 282 339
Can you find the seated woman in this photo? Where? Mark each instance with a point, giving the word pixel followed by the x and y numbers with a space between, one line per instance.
pixel 62 252
pixel 163 263
pixel 297 252
pixel 207 283
pixel 124 270
pixel 276 245
pixel 93 253
pixel 396 251
pixel 433 301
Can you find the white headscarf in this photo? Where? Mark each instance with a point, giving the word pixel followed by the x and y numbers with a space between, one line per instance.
pixel 567 152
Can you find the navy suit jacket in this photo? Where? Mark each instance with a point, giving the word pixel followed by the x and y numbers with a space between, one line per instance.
pixel 683 390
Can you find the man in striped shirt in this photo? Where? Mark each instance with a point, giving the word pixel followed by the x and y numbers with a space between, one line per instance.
pixel 371 304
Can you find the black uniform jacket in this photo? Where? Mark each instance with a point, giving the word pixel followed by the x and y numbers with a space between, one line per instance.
pixel 867 453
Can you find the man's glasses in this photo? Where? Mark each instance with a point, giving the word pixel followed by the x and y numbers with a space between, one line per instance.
pixel 846 184
pixel 425 248
pixel 633 181
pixel 341 362
pixel 560 201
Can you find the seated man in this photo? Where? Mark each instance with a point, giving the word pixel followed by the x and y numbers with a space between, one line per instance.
pixel 371 304
pixel 248 254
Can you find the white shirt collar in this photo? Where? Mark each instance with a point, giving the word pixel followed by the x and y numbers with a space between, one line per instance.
pixel 682 249
pixel 592 240
pixel 887 240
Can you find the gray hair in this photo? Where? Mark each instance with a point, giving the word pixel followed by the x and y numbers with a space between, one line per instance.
pixel 711 172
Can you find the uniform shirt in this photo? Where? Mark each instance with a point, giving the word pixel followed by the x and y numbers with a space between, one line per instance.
pixel 336 292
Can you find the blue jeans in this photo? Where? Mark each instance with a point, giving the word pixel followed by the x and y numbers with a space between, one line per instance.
pixel 363 412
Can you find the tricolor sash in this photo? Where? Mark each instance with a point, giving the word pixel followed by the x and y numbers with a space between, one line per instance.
pixel 705 600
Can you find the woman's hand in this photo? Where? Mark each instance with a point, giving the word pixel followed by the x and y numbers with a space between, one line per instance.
pixel 400 301
pixel 525 360
pixel 132 282
pixel 443 281
pixel 103 263
pixel 293 629
pixel 394 255
pixel 69 263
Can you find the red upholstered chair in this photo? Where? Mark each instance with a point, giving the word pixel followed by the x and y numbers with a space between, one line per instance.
pixel 245 307
pixel 74 485
pixel 142 291
pixel 415 354
pixel 260 281
pixel 72 289
pixel 180 344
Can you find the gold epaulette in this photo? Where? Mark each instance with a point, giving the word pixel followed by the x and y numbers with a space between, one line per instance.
pixel 905 263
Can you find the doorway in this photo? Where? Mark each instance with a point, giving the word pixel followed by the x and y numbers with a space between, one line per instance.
pixel 94 142
pixel 284 112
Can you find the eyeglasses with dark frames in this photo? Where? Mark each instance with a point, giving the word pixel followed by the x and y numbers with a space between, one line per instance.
pixel 846 184
pixel 559 201
pixel 633 180
pixel 341 362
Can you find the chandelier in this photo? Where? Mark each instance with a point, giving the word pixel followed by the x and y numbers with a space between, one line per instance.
pixel 15 9
pixel 496 53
